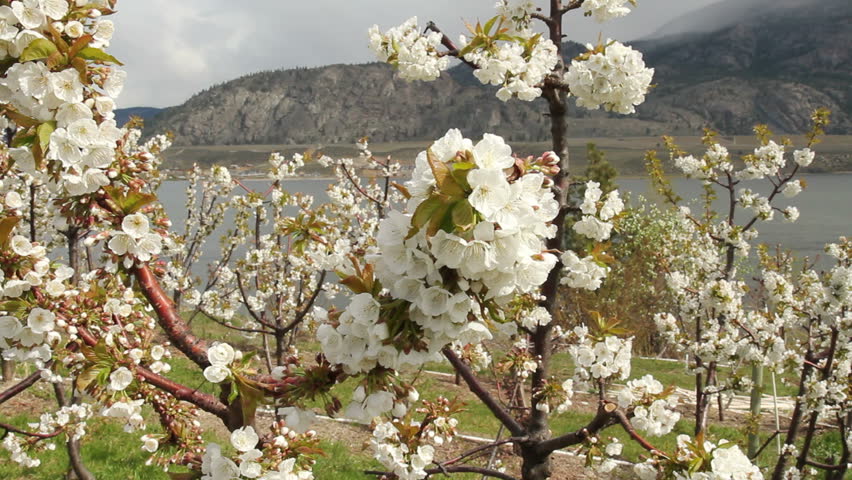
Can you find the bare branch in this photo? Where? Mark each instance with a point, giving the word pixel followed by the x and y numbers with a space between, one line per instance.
pixel 24 384
pixel 477 389
pixel 452 49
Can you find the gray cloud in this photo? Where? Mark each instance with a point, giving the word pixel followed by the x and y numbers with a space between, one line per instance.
pixel 175 49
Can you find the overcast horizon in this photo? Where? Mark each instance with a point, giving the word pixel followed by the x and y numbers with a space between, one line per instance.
pixel 173 50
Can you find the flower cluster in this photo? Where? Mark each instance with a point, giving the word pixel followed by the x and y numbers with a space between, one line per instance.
pixel 407 446
pixel 135 239
pixel 29 333
pixel 518 66
pixel 722 461
pixel 603 10
pixel 74 121
pixel 653 405
pixel 277 459
pixel 221 356
pixel 70 419
pixel 415 55
pixel 396 456
pixel 599 358
pixel 613 76
pixel 472 215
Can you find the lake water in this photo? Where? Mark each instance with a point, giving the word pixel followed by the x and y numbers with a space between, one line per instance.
pixel 825 207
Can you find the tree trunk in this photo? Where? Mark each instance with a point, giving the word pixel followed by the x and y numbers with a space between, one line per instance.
pixel 8 368
pixel 77 470
pixel 754 425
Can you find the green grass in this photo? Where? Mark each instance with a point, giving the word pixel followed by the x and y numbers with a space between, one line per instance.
pixel 666 372
pixel 110 453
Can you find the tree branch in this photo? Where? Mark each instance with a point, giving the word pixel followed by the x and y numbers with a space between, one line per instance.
pixel 202 400
pixel 24 384
pixel 452 49
pixel 169 318
pixel 10 428
pixel 456 469
pixel 477 389
pixel 602 420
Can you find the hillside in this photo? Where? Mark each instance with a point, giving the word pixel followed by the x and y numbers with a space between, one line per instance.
pixel 769 66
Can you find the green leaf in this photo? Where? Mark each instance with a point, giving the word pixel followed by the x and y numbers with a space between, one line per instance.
pixel 463 215
pixel 131 202
pixel 444 177
pixel 38 49
pixel 489 24
pixel 250 397
pixel 44 130
pixel 425 211
pixel 85 378
pixel 13 306
pixel 441 219
pixel 97 55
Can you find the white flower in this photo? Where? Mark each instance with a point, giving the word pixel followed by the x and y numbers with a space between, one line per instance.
pixel 492 153
pixel 221 354
pixel 803 157
pixel 40 320
pixel 55 9
pixel 13 200
pixel 9 327
pixel 122 243
pixel 83 132
pixel 216 373
pixel 120 378
pixel 491 191
pixel 74 29
pixel 21 245
pixel 150 443
pixel 114 84
pixel 593 228
pixel 433 301
pixel 136 225
pixel 29 13
pixel 297 419
pixel 66 85
pixel 731 462
pixel 603 10
pixel 792 188
pixel 378 403
pixel 244 439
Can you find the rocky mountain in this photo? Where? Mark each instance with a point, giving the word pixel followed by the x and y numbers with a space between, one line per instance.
pixel 122 115
pixel 772 63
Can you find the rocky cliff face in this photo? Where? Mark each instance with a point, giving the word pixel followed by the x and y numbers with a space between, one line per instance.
pixel 773 68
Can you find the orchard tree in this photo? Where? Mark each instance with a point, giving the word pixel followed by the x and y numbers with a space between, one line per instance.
pixel 476 252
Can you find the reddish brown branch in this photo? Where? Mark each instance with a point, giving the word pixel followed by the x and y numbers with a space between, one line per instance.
pixel 202 400
pixel 169 318
pixel 628 427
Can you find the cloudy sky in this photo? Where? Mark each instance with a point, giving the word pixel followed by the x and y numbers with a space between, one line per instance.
pixel 173 49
